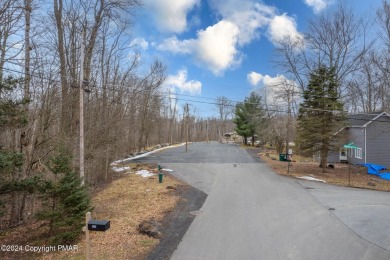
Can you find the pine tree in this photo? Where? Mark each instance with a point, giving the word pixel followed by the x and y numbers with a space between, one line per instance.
pixel 12 118
pixel 241 121
pixel 11 110
pixel 249 117
pixel 320 115
pixel 65 201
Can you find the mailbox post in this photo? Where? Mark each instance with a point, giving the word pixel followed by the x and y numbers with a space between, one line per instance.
pixel 349 146
pixel 288 157
pixel 93 225
pixel 87 240
pixel 160 174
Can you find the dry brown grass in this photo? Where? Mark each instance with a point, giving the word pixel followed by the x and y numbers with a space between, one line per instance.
pixel 125 202
pixel 338 176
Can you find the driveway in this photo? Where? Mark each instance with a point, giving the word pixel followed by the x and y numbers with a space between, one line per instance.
pixel 253 213
pixel 365 212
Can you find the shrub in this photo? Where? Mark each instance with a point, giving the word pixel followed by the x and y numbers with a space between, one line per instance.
pixel 65 201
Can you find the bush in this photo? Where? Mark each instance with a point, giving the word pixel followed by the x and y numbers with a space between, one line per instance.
pixel 65 201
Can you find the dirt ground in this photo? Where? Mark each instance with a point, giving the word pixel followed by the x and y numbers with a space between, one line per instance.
pixel 125 202
pixel 342 174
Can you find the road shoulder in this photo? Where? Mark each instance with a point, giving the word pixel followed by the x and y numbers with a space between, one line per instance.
pixel 176 223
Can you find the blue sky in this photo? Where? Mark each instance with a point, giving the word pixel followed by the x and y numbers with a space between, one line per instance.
pixel 218 48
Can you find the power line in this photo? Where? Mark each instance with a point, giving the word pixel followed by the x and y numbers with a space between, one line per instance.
pixel 169 95
pixel 128 91
pixel 115 89
pixel 106 87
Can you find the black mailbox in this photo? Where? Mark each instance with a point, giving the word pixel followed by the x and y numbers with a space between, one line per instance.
pixel 98 225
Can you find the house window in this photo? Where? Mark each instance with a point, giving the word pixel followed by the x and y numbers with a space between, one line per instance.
pixel 358 153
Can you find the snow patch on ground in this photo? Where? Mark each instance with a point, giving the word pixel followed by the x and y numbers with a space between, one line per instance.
pixel 167 170
pixel 120 169
pixel 309 178
pixel 144 173
pixel 145 154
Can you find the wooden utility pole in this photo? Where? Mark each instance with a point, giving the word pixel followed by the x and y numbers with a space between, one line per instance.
pixel 187 112
pixel 288 129
pixel 82 112
pixel 207 131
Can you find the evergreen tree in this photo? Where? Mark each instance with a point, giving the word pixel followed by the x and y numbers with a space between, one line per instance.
pixel 11 110
pixel 241 121
pixel 320 115
pixel 9 163
pixel 65 200
pixel 249 117
pixel 12 118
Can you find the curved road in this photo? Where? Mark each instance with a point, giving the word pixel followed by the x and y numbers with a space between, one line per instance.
pixel 253 213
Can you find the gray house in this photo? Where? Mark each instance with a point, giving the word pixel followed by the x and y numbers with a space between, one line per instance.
pixel 370 134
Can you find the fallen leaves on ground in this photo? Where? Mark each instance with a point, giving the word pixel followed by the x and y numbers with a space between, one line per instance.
pixel 125 202
pixel 342 174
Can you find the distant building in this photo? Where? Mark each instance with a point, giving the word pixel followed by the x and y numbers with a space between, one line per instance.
pixel 370 134
pixel 232 137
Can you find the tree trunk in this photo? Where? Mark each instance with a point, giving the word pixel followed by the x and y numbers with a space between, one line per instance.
pixel 14 216
pixel 63 75
pixel 27 51
pixel 324 159
pixel 22 206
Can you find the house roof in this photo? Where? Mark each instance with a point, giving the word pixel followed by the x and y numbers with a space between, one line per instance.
pixel 362 120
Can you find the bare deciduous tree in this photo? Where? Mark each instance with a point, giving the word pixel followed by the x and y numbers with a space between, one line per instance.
pixel 365 87
pixel 225 109
pixel 334 39
pixel 382 56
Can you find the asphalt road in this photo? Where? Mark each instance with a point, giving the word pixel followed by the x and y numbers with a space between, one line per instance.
pixel 252 213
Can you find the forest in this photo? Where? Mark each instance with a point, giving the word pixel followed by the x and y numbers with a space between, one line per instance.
pixel 69 77
pixel 75 96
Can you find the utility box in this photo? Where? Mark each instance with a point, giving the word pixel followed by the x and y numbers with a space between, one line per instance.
pixel 98 225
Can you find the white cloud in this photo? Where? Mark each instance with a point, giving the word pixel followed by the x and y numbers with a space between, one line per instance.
pixel 247 15
pixel 281 27
pixel 241 21
pixel 317 5
pixel 171 15
pixel 140 42
pixel 273 87
pixel 258 79
pixel 254 78
pixel 277 83
pixel 215 46
pixel 180 83
pixel 174 45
